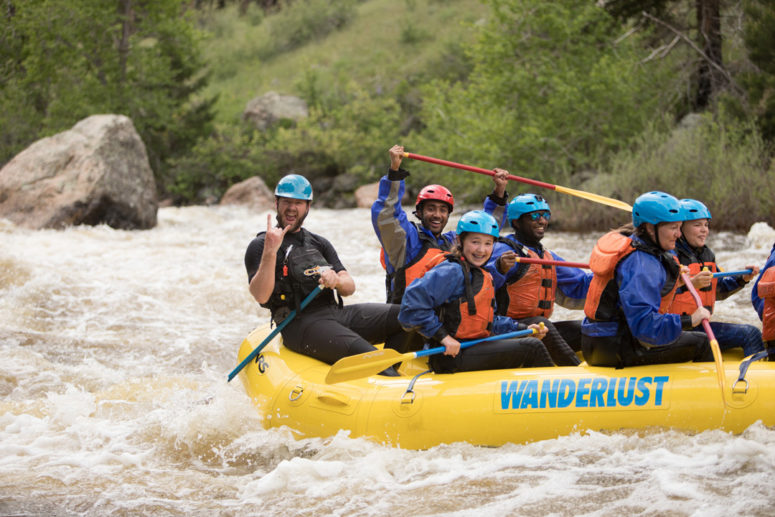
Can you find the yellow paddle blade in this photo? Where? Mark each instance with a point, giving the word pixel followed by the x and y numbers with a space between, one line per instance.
pixel 597 198
pixel 363 365
pixel 720 373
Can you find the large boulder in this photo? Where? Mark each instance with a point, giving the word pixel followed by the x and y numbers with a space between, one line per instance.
pixel 97 172
pixel 365 195
pixel 252 193
pixel 271 108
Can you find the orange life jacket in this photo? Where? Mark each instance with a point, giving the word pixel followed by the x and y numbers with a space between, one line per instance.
pixel 430 254
pixel 766 291
pixel 531 291
pixel 684 301
pixel 603 295
pixel 470 317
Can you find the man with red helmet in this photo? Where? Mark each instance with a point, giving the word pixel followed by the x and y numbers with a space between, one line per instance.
pixel 410 249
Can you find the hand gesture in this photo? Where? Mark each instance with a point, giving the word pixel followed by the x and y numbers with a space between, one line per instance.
pixel 274 236
pixel 506 262
pixel 451 346
pixel 396 155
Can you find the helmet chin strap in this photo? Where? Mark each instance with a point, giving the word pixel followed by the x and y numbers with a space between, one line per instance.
pixel 656 234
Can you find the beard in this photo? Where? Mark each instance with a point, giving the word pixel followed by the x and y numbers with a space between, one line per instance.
pixel 296 224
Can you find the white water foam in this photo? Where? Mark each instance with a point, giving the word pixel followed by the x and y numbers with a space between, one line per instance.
pixel 115 347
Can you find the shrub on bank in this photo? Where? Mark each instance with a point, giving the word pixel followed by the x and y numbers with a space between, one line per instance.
pixel 720 161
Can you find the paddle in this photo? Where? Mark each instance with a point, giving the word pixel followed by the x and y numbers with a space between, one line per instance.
pixel 561 263
pixel 733 273
pixel 621 205
pixel 276 331
pixel 370 363
pixel 713 343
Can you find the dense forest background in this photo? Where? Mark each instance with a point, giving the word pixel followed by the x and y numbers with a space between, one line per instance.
pixel 615 97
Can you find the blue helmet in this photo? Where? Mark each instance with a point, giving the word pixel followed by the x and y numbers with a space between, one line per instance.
pixel 294 186
pixel 694 209
pixel 524 204
pixel 478 221
pixel 656 207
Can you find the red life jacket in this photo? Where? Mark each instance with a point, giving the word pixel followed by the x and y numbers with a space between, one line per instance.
pixel 531 291
pixel 603 295
pixel 766 291
pixel 430 254
pixel 684 301
pixel 470 317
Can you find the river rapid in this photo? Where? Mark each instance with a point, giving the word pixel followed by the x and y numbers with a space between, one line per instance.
pixel 114 352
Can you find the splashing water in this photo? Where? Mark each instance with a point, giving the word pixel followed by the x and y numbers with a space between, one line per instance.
pixel 115 347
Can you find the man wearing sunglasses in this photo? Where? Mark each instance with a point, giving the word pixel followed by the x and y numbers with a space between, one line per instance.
pixel 527 292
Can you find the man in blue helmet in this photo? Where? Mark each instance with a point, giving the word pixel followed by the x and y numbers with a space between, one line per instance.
pixel 527 292
pixel 636 275
pixel 287 262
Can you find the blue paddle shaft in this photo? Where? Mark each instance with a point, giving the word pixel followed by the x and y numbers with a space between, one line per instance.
pixel 733 273
pixel 466 344
pixel 272 334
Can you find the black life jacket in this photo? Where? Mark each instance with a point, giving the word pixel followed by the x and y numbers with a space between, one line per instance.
pixel 297 271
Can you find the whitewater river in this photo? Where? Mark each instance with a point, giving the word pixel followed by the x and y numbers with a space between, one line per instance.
pixel 114 352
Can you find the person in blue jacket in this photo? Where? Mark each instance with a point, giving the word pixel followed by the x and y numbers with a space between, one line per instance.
pixel 701 261
pixel 455 301
pixel 758 303
pixel 408 248
pixel 765 312
pixel 527 292
pixel 636 275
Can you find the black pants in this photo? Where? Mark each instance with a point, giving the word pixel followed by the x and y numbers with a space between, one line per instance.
pixel 627 351
pixel 494 355
pixel 562 339
pixel 329 333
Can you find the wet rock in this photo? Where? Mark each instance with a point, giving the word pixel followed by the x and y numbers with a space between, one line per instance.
pixel 273 108
pixel 95 173
pixel 365 195
pixel 252 192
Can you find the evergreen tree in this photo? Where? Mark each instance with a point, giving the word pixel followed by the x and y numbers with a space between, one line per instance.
pixel 63 61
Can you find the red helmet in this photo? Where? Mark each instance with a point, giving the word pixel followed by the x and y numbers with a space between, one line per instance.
pixel 435 193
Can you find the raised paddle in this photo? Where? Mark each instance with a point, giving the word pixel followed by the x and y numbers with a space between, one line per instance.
pixel 597 198
pixel 742 272
pixel 276 331
pixel 713 343
pixel 370 363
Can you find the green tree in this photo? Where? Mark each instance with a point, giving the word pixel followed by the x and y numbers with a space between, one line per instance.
pixel 68 60
pixel 759 36
pixel 703 34
pixel 556 88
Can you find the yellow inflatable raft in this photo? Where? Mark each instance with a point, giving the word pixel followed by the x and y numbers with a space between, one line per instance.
pixel 422 409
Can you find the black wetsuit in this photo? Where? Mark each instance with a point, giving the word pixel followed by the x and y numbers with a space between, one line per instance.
pixel 325 329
